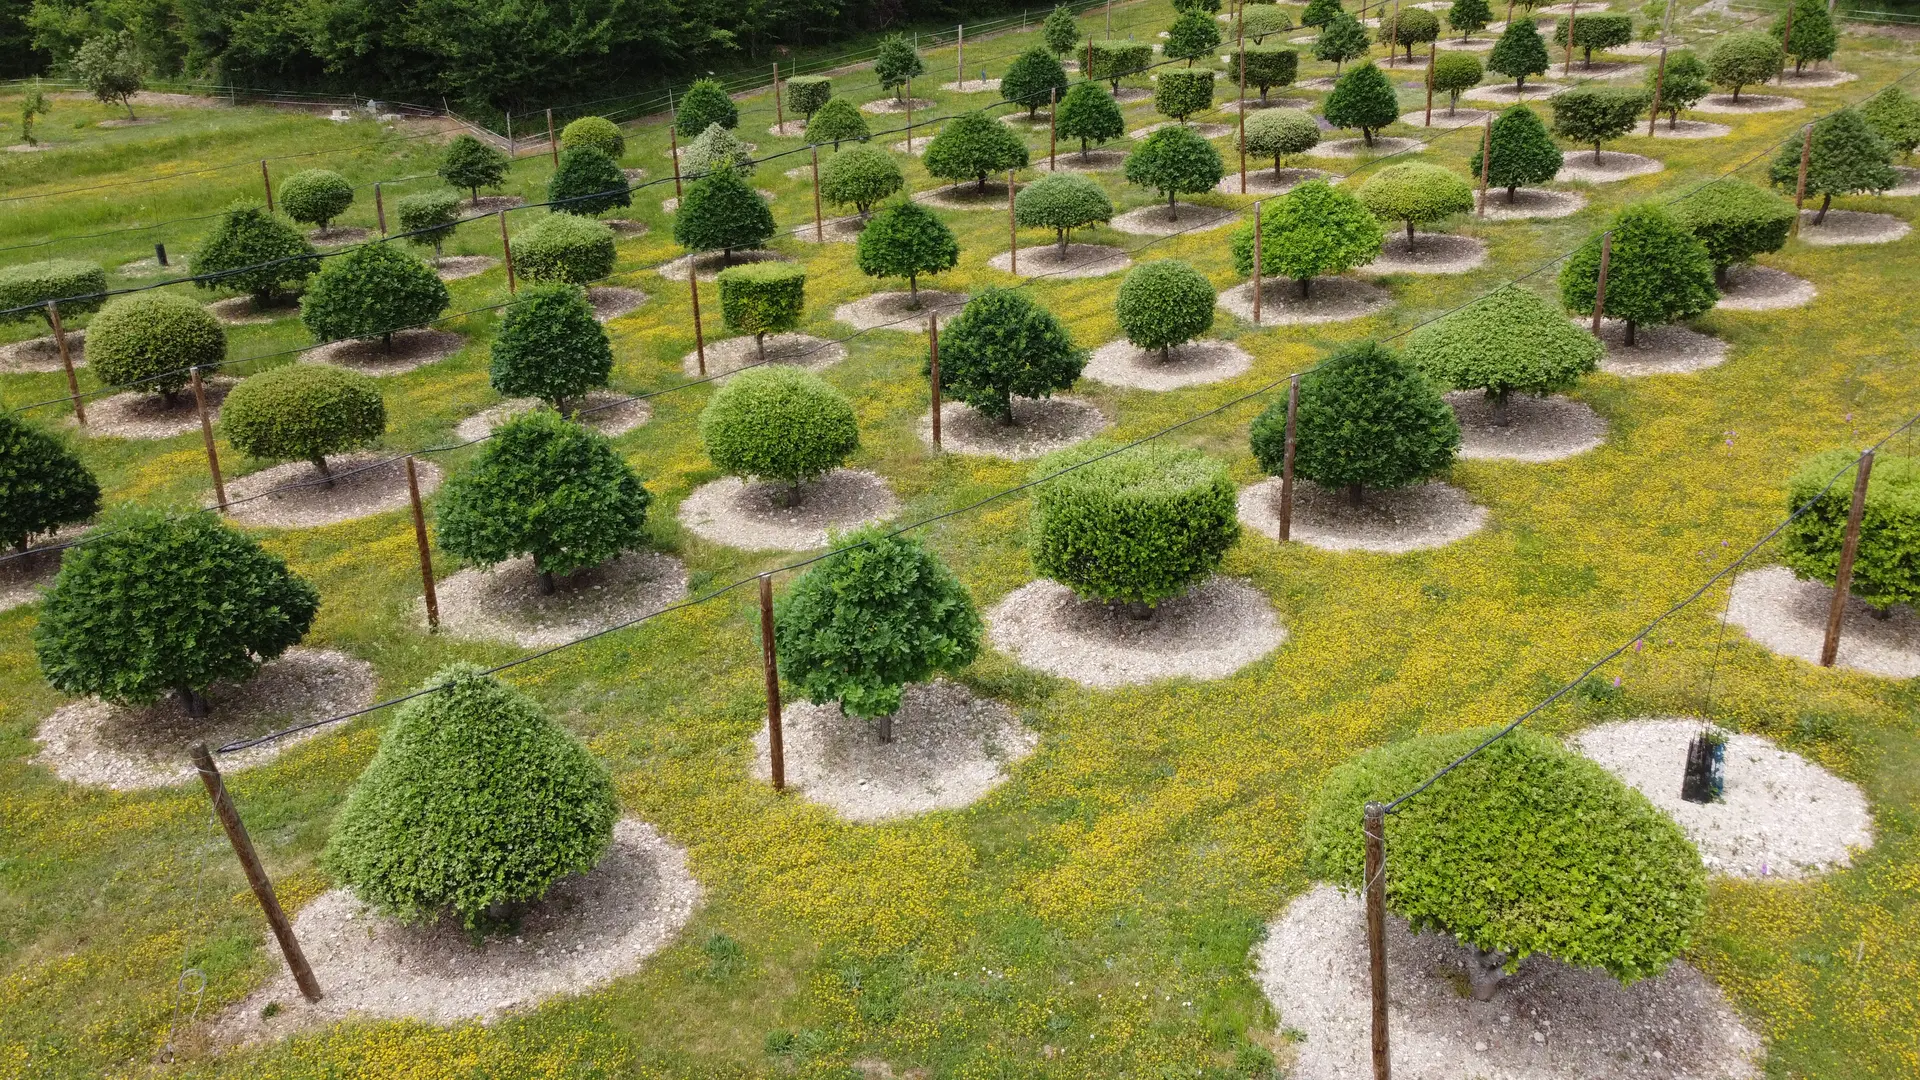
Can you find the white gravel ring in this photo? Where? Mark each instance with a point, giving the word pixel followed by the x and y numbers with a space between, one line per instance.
pixel 708 264
pixel 1383 146
pixel 1538 428
pixel 1506 94
pixel 239 311
pixel 1657 350
pixel 1195 363
pixel 25 575
pixel 1814 80
pixel 42 354
pixel 1082 261
pixel 504 602
pixel 411 349
pixel 1331 299
pixel 788 129
pixel 458 267
pixel 609 302
pixel 1532 204
pixel 134 415
pixel 1255 104
pixel 900 310
pixel 339 236
pixel 1220 626
pixel 972 86
pixel 1788 616
pixel 1762 288
pixel 887 106
pixel 1095 160
pixel 835 230
pixel 1613 165
pixel 969 195
pixel 734 513
pixel 1843 227
pixel 732 354
pixel 917 148
pixel 1471 44
pixel 1040 426
pixel 1127 95
pixel 1151 220
pixel 1459 119
pixel 609 413
pixel 1690 129
pixel 490 204
pixel 1262 181
pixel 1430 515
pixel 1909 183
pixel 1430 253
pixel 305 502
pixel 1748 103
pixel 1205 131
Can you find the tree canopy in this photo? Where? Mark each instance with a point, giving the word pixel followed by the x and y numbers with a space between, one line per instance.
pixel 1886 568
pixel 1163 304
pixel 719 212
pixel 973 146
pixel 906 240
pixel 1003 345
pixel 1367 419
pixel 1416 193
pixel 1175 161
pixel 1736 221
pixel 1090 114
pixel 43 483
pixel 1314 230
pixel 550 346
pixel 1847 157
pixel 1033 79
pixel 1520 52
pixel 1743 58
pixel 1508 340
pixel 1659 272
pixel 1062 202
pixel 1364 98
pixel 1523 152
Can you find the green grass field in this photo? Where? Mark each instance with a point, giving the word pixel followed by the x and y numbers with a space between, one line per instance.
pixel 1094 915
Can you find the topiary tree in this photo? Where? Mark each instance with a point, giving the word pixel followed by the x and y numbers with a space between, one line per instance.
pixel 1267 66
pixel 860 177
pixel 428 217
pixel 315 197
pixel 1894 115
pixel 596 131
pixel 906 240
pixel 1742 58
pixel 714 150
pixel 1181 93
pixel 303 412
pixel 1175 161
pixel 1886 568
pixel 779 424
pixel 1262 22
pixel 1846 157
pixel 1523 152
pixel 1659 272
pixel 1002 344
pixel 1033 79
pixel 1204 7
pixel 1281 133
pixel 763 298
pixel 161 603
pixel 1315 229
pixel 1367 419
pixel 1469 17
pixel 1090 114
pixel 80 287
pixel 1683 86
pixel 1061 202
pixel 1193 35
pixel 1320 12
pixel 372 291
pixel 837 121
pixel 1735 221
pixel 1164 303
pixel 1600 30
pixel 475 803
pixel 1524 848
pixel 1814 36
pixel 587 183
pixel 254 252
pixel 110 65
pixel 1364 98
pixel 1416 193
pixel 43 484
pixel 1508 340
pixel 720 213
pixel 883 612
pixel 1519 53
pixel 973 145
pixel 1455 73
pixel 472 164
pixel 565 248
pixel 1409 27
pixel 807 93
pixel 1059 32
pixel 1595 114
pixel 1341 39
pixel 151 342
pixel 705 102
pixel 548 488
pixel 1115 59
pixel 550 346
pixel 1136 528
pixel 896 62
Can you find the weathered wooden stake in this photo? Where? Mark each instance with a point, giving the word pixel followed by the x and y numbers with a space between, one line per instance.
pixel 1374 826
pixel 553 144
pixel 933 374
pixel 960 54
pixel 1013 230
pixel 775 748
pixel 779 109
pixel 1486 157
pixel 256 873
pixel 420 540
pixel 1088 70
pixel 1433 50
pixel 819 229
pixel 1286 460
pixel 1786 41
pixel 1600 285
pixel 673 141
pixel 506 250
pixel 206 436
pixel 380 208
pixel 1256 264
pixel 909 116
pixel 1053 129
pixel 699 335
pixel 1240 44
pixel 1659 86
pixel 266 183
pixel 66 362
pixel 1573 13
pixel 1800 189
pixel 1849 546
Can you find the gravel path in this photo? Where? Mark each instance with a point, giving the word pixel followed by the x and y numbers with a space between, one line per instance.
pixel 150 416
pixel 504 602
pixel 949 750
pixel 1383 146
pixel 1263 181
pixel 1332 299
pixel 1762 288
pixel 708 264
pixel 1851 227
pixel 1781 815
pixel 969 195
pixel 1459 118
pixel 1431 515
pixel 1656 350
pixel 239 311
pixel 1748 103
pixel 456 267
pixel 1208 360
pixel 1537 429
pixel 732 354
pixel 1220 626
pixel 1040 426
pixel 734 513
pixel 604 411
pixel 1071 160
pixel 411 349
pixel 303 502
pixel 1082 261
pixel 1506 94
pixel 898 310
pixel 612 301
pixel 1690 129
pixel 1532 204
pixel 1613 165
pixel 1430 253
pixel 1549 1021
pixel 43 353
pixel 1786 615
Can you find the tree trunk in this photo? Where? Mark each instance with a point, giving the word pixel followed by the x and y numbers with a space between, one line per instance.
pixel 1720 277
pixel 1484 974
pixel 1356 495
pixel 1083 150
pixel 1798 61
pixel 1139 611
pixel 885 723
pixel 982 184
pixel 1306 285
pixel 386 342
pixel 320 466
pixel 1825 201
pixel 788 496
pixel 913 289
pixel 546 582
pixel 1520 84
pixel 1409 234
pixel 760 343
pixel 1736 95
pixel 193 701
pixel 1276 168
pixel 127 100
pixel 1501 418
pixel 1173 208
pixel 1366 136
pixel 1166 354
pixel 1062 237
pixel 476 194
pixel 1630 332
pixel 1263 97
pixel 1004 416
pixel 1596 153
pixel 1513 193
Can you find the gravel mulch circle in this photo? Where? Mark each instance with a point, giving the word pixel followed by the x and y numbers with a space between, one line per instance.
pixel 1748 103
pixel 1383 146
pixel 1209 360
pixel 150 266
pixel 840 230
pixel 1040 426
pixel 734 513
pixel 1537 428
pixel 672 204
pixel 1205 131
pixel 1332 299
pixel 589 930
pixel 1909 182
pixel 1548 1022
pixel 1657 350
pixel 972 86
pixel 1039 121
pixel 1459 118
pixel 1128 95
pixel 1430 253
pixel 1265 182
pixel 917 147
pixel 1613 165
pixel 900 311
pixel 1472 44
pixel 1533 204
pixel 1787 615
pixel 886 106
pixel 456 267
pixel 609 302
pixel 1780 815
pixel 23 576
pixel 1814 80
pixel 1255 104
pixel 504 602
pixel 125 748
pixel 411 349
pixel 949 750
pixel 1431 515
pixel 1220 626
pixel 1690 129
pixel 42 353
pixel 1609 70
pixel 240 311
pixel 1642 48
pixel 339 236
pixel 1091 161
pixel 604 411
pixel 151 416
pixel 708 264
pixel 1151 220
pixel 1762 288
pixel 490 204
pixel 731 354
pixel 1844 227
pixel 633 175
pixel 1507 94
pixel 969 195
pixel 303 501
pixel 790 129
pixel 626 226
pixel 1081 261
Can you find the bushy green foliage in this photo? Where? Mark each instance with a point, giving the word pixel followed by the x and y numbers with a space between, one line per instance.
pixel 1454 73
pixel 906 240
pixel 1736 221
pixel 43 484
pixel 1411 26
pixel 303 412
pixel 564 247
pixel 151 341
pixel 807 93
pixel 1181 93
pixel 1367 419
pixel 1003 345
pixel 1684 84
pixel 1203 7
pixel 1599 30
pixel 1508 340
pixel 110 64
pixel 1164 303
pixel 587 183
pixel 1743 58
pixel 1894 115
pixel 895 62
pixel 475 802
pixel 1261 22
pixel 763 298
pixel 1886 568
pixel 550 346
pixel 779 423
pixel 1416 193
pixel 1062 202
pixel 714 150
pixel 1313 230
pixel 372 291
pixel 161 603
pixel 1592 115
pixel 973 146
pixel 1814 35
pixel 1847 157
pixel 596 131
pixel 1175 161
pixel 1033 79
pixel 472 164
pixel 1341 39
pixel 857 627
pixel 1319 12
pixel 1364 98
pixel 838 121
pixel 1138 527
pixel 1520 52
pixel 1193 35
pixel 253 251
pixel 428 217
pixel 315 196
pixel 1469 16
pixel 545 487
pixel 1281 133
pixel 719 212
pixel 1659 272
pixel 1060 32
pixel 1526 848
pixel 1523 152
pixel 860 177
pixel 79 286
pixel 1114 59
pixel 1090 114
pixel 1267 66
pixel 705 102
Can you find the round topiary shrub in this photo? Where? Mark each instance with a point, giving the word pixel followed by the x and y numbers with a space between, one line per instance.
pixel 315 197
pixel 1034 78
pixel 152 341
pixel 303 412
pixel 162 603
pixel 428 217
pixel 1059 31
pixel 1886 568
pixel 371 292
pixel 1846 157
pixel 1520 52
pixel 1894 115
pixel 1343 38
pixel 1088 113
pixel 1454 73
pixel 716 149
pixel 763 298
pixel 1262 21
pixel 1593 115
pixel 1115 59
pixel 254 252
pixel 705 102
pixel 1194 34
pixel 1062 202
pixel 1181 92
pixel 550 346
pixel 838 121
pixel 1469 16
pixel 475 803
pixel 1280 134
pixel 781 424
pixel 1315 229
pixel 1659 272
pixel 807 93
pixel 472 164
pixel 1319 11
pixel 1164 303
pixel 1409 27
pixel 1743 58
pixel 1267 66
pixel 1364 98
pixel 596 131
pixel 1138 527
pixel 1175 161
pixel 906 240
pixel 43 484
pixel 1523 152
pixel 1508 340
pixel 564 248
pixel 25 289
pixel 1415 193
pixel 972 146
pixel 1814 36
pixel 1003 344
pixel 721 213
pixel 1682 87
pixel 588 183
pixel 1736 221
pixel 860 178
pixel 1367 419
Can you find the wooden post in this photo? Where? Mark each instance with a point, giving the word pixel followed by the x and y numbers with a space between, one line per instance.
pixel 506 250
pixel 1800 189
pixel 819 230
pixel 775 749
pixel 1374 826
pixel 779 109
pixel 553 144
pixel 699 335
pixel 909 117
pixel 1088 70
pixel 1240 45
pixel 1256 264
pixel 673 141
pixel 420 540
pixel 510 146
pixel 266 183
pixel 1433 50
pixel 1486 162
pixel 933 374
pixel 1659 85
pixel 1600 285
pixel 256 874
pixel 1053 129
pixel 206 436
pixel 1110 20
pixel 1786 40
pixel 380 208
pixel 959 59
pixel 1849 546
pixel 1013 230
pixel 1286 461
pixel 1573 13
pixel 66 361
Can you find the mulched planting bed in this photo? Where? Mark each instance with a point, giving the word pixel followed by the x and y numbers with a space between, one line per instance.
pixel 1843 227
pixel 1762 288
pixel 1507 94
pixel 1909 182
pixel 612 301
pixel 1255 104
pixel 1787 615
pixel 456 267
pixel 1383 145
pixel 1071 160
pixel 240 311
pixel 747 515
pixel 788 129
pixel 899 310
pixel 150 266
pixel 1429 515
pixel 969 195
pixel 1205 131
pixel 1151 220
pixel 605 411
pixel 1613 165
pixel 339 236
pixel 1209 360
pixel 411 349
pixel 917 147
pixel 708 264
pixel 1441 119
pixel 886 106
pixel 150 416
pixel 1530 204
pixel 504 602
pixel 490 204
pixel 972 86
pixel 1082 260
pixel 1472 44
pixel 1263 181
pixel 1041 120
pixel 1814 80
pixel 626 226
pixel 839 230
pixel 1332 299
pixel 1220 626
pixel 1657 350
pixel 42 353
pixel 23 576
pixel 1688 129
pixel 1430 253
pixel 1537 428
pixel 299 499
pixel 1128 95
pixel 1040 426
pixel 731 354
pixel 1748 103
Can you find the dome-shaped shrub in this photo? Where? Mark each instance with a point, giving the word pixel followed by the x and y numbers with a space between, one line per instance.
pixel 906 240
pixel 564 247
pixel 1658 273
pixel 1508 340
pixel 315 196
pixel 428 217
pixel 715 149
pixel 254 252
pixel 779 423
pixel 1280 134
pixel 1003 345
pixel 1416 193
pixel 720 212
pixel 860 177
pixel 550 346
pixel 587 183
pixel 30 285
pixel 43 484
pixel 973 146
pixel 372 292
pixel 705 102
pixel 1062 202
pixel 807 93
pixel 1164 303
pixel 151 341
pixel 1175 161
pixel 1736 221
pixel 596 131
pixel 1886 569
pixel 472 164
pixel 1088 112
pixel 1367 419
pixel 1314 230
pixel 303 412
pixel 838 121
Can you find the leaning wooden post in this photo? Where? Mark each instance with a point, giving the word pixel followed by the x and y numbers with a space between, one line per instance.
pixel 380 208
pixel 1433 50
pixel 1786 41
pixel 1486 162
pixel 909 116
pixel 1256 264
pixel 779 110
pixel 819 229
pixel 1600 285
pixel 1573 13
pixel 775 748
pixel 206 436
pixel 699 335
pixel 1849 546
pixel 1053 129
pixel 66 361
pixel 1286 460
pixel 1374 826
pixel 256 873
pixel 673 141
pixel 1013 230
pixel 1659 86
pixel 1240 44
pixel 506 251
pixel 266 183
pixel 1800 189
pixel 933 374
pixel 553 144
pixel 426 554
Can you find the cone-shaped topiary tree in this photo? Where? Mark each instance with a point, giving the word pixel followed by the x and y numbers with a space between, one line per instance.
pixel 254 252
pixel 1524 848
pixel 43 484
pixel 1592 115
pixel 973 146
pixel 1341 39
pixel 1469 17
pixel 1659 272
pixel 1507 340
pixel 906 240
pixel 1267 66
pixel 1416 193
pixel 1743 58
pixel 1115 59
pixel 1364 98
pixel 1314 230
pixel 545 487
pixel 860 178
pixel 763 298
pixel 1281 133
pixel 1455 73
pixel 1523 152
pixel 713 150
pixel 550 346
pixel 1847 157
pixel 150 342
pixel 428 217
pixel 1407 27
pixel 1814 36
pixel 1164 304
pixel 1059 32
pixel 161 603
pixel 79 286
pixel 1175 161
pixel 1684 84
pixel 1062 202
pixel 303 412
pixel 1367 419
pixel 1193 35
pixel 1599 30
pixel 1519 53
pixel 564 247
pixel 587 183
pixel 471 164
pixel 806 93
pixel 720 213
pixel 596 131
pixel 895 62
pixel 1090 114
pixel 370 292
pixel 1181 93
pixel 1319 12
pixel 1894 115
pixel 1033 79
pixel 475 803
pixel 837 121
pixel 705 102
pixel 1736 221
pixel 856 628
pixel 315 197
pixel 779 424
pixel 1886 568
pixel 1004 345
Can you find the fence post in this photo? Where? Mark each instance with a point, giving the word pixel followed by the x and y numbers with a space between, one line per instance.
pixel 206 436
pixel 420 540
pixel 1849 546
pixel 1374 826
pixel 1432 52
pixel 1800 189
pixel 673 140
pixel 510 147
pixel 1659 85
pixel 1013 230
pixel 66 361
pixel 699 335
pixel 266 182
pixel 1286 461
pixel 1088 70
pixel 256 873
pixel 1786 42
pixel 380 208
pixel 775 748
pixel 553 144
pixel 933 373
pixel 1053 128
pixel 1256 264
pixel 960 59
pixel 819 230
pixel 1486 162
pixel 160 254
pixel 1573 13
pixel 1240 46
pixel 506 250
pixel 779 109
pixel 1600 285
